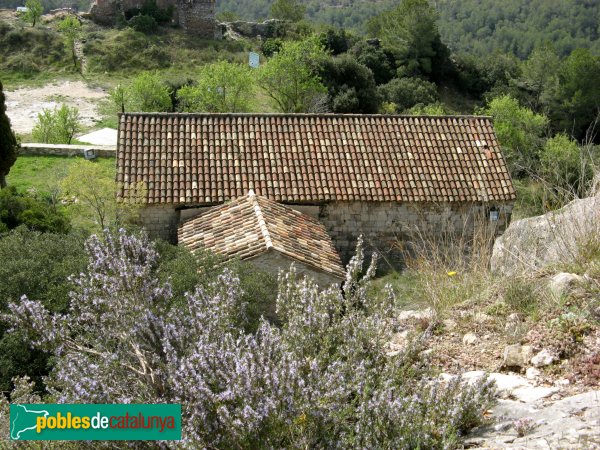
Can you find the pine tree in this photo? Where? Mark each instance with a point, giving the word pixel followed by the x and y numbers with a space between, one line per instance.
pixel 8 142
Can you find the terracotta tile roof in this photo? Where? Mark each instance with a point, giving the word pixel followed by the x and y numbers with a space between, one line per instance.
pixel 207 159
pixel 252 225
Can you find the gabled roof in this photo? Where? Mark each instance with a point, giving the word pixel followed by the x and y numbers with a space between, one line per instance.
pixel 252 225
pixel 207 159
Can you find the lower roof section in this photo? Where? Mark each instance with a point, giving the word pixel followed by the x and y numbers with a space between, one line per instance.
pixel 252 225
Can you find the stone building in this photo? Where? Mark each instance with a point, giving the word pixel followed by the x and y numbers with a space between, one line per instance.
pixel 379 176
pixel 195 16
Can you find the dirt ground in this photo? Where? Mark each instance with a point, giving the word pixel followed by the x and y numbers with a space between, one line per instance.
pixel 23 105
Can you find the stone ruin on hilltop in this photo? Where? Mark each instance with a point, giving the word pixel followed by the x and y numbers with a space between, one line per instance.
pixel 194 16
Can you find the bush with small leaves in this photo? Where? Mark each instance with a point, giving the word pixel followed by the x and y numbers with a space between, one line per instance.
pixel 57 126
pixel 321 379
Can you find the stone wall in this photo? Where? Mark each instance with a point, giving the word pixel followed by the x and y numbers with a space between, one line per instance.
pixel 160 222
pixel 66 150
pixel 388 226
pixel 198 17
pixel 273 261
pixel 195 16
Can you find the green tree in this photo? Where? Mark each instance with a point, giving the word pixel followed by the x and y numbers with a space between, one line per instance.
pixel 34 11
pixel 411 31
pixel 221 87
pixel 351 86
pixel 520 132
pixel 119 97
pixel 70 27
pixel 94 206
pixel 540 76
pixel 577 102
pixel 290 10
pixel 8 142
pixel 57 126
pixel 289 78
pixel 148 93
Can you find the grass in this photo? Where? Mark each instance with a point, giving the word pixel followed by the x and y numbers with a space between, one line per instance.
pixel 42 173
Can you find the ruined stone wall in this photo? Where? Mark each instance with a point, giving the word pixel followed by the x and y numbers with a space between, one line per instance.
pixel 198 17
pixel 195 16
pixel 388 226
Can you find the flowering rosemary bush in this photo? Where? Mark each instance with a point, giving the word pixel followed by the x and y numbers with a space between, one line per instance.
pixel 319 380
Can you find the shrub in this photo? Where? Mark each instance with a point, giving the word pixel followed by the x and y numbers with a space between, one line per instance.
pixel 408 92
pixel 271 46
pixel 143 23
pixel 57 126
pixel 148 93
pixel 19 209
pixel 321 380
pixel 36 265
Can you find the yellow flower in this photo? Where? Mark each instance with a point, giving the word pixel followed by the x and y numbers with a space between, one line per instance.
pixel 451 274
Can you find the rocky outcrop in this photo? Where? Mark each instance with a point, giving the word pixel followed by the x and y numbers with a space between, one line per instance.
pixel 541 241
pixel 267 29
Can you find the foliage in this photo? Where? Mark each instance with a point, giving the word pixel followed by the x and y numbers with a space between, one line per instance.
pixel 321 379
pixel 351 86
pixel 381 61
pixel 291 10
pixel 519 131
pixel 37 265
pixel 70 27
pixel 148 93
pixel 564 167
pixel 408 92
pixel 221 87
pixel 432 109
pixel 27 52
pixel 34 11
pixel 481 27
pixel 410 30
pixel 94 205
pixel 336 41
pixel 143 23
pixel 57 126
pixel 270 46
pixel 289 77
pixel 129 50
pixel 8 142
pixel 577 105
pixel 19 209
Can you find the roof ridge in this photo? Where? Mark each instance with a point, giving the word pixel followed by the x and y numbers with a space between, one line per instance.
pixel 262 224
pixel 382 116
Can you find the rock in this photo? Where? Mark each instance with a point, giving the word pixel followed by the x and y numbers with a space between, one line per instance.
pixel 399 340
pixel 482 318
pixel 530 394
pixel 537 242
pixel 543 358
pixel 569 423
pixel 469 339
pixel 563 283
pixel 517 355
pixel 532 373
pixel 416 314
pixel 449 324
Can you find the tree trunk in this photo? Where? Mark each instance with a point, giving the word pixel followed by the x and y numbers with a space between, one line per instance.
pixel 2 180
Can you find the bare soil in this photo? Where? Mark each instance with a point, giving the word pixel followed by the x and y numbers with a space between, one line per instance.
pixel 23 105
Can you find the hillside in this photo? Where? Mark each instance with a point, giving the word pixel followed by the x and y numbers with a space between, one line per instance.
pixel 479 27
